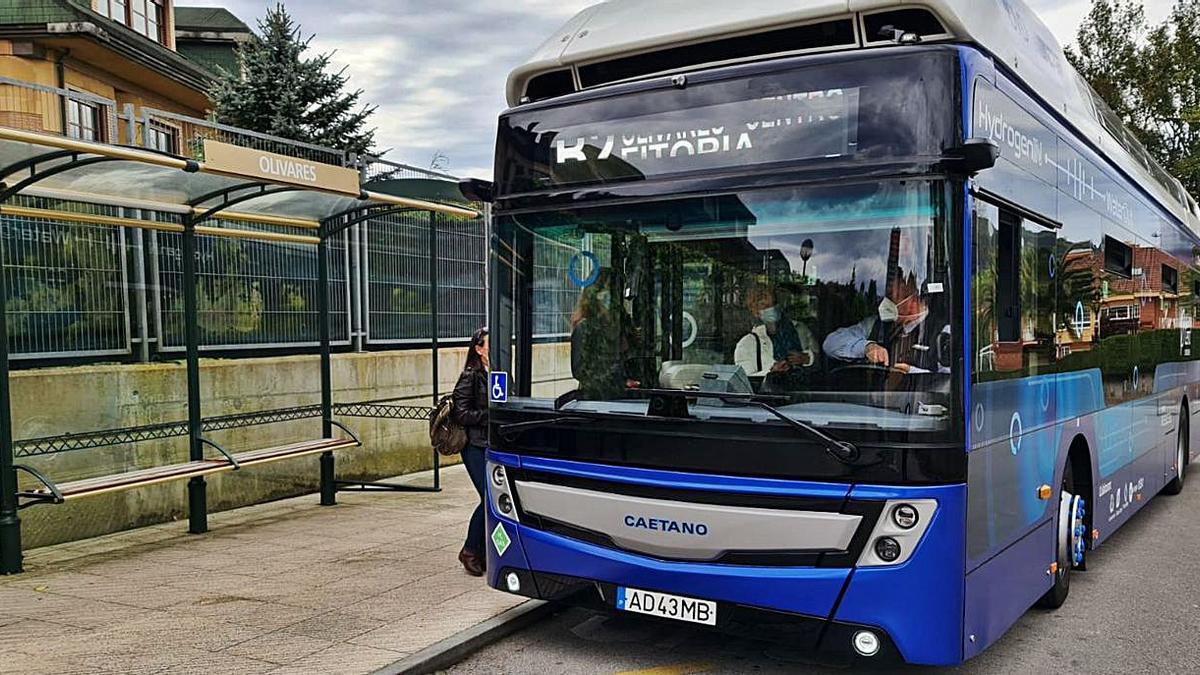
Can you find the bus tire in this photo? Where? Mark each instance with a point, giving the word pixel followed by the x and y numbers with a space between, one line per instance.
pixel 1063 545
pixel 1182 453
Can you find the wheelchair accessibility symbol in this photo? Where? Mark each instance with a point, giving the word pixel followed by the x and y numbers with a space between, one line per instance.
pixel 499 387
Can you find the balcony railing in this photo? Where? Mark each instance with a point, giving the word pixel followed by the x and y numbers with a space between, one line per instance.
pixel 36 107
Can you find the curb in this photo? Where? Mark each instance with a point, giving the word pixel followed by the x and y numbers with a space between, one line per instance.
pixel 455 648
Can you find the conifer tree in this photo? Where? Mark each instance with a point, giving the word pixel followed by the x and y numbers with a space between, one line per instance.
pixel 280 90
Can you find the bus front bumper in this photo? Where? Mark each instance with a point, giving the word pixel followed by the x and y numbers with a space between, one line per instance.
pixel 913 609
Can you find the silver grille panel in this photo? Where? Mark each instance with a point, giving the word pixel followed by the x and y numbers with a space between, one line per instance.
pixel 684 530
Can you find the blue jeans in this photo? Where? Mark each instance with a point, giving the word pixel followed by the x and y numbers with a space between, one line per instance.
pixel 473 459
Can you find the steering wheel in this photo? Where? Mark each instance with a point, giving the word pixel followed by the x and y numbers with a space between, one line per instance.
pixel 869 376
pixel 873 368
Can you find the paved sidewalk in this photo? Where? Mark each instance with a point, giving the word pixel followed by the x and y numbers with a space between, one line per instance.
pixel 278 588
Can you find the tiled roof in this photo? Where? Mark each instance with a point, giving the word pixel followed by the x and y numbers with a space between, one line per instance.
pixel 215 19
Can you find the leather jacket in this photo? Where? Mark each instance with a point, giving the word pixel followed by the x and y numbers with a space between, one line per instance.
pixel 470 405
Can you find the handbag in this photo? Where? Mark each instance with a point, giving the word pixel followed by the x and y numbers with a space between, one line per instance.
pixel 447 436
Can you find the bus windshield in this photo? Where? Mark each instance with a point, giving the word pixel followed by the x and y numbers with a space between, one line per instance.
pixel 832 301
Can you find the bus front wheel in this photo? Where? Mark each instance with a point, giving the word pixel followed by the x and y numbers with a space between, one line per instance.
pixel 1069 537
pixel 1181 453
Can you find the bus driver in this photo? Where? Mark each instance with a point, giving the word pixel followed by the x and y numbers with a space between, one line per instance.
pixel 902 336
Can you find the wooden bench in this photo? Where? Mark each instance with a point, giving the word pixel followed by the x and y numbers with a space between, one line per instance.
pixel 58 493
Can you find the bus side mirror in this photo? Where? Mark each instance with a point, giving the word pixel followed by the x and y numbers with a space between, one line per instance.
pixel 477 190
pixel 973 156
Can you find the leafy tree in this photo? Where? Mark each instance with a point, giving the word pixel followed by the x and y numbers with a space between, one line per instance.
pixel 281 91
pixel 440 162
pixel 1149 76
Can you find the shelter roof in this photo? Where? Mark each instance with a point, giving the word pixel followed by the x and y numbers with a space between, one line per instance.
pixel 237 183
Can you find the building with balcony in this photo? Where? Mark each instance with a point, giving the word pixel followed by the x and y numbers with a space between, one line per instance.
pixel 80 61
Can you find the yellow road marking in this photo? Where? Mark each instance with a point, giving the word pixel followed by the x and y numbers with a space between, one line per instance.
pixel 679 669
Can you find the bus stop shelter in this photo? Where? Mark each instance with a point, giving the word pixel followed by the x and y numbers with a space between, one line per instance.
pixel 257 196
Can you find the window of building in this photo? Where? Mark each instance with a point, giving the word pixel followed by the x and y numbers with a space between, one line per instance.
pixel 1123 312
pixel 162 137
pixel 84 120
pixel 144 16
pixel 1118 258
pixel 1170 279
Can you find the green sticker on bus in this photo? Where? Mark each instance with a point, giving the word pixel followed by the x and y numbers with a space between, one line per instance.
pixel 500 538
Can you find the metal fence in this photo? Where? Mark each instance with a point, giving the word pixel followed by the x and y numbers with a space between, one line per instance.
pixel 250 293
pixel 36 107
pixel 67 285
pixel 376 168
pixel 397 271
pixel 85 290
pixel 183 135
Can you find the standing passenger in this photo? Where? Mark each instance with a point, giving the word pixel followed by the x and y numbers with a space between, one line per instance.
pixel 470 409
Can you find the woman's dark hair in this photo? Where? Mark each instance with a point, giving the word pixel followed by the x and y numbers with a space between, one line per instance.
pixel 473 358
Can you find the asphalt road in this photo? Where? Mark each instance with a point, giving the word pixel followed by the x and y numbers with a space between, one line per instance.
pixel 1136 610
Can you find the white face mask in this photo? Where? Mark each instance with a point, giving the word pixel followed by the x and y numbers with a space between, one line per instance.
pixel 888 311
pixel 769 315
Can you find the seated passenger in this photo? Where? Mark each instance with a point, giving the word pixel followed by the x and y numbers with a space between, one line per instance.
pixel 776 345
pixel 901 336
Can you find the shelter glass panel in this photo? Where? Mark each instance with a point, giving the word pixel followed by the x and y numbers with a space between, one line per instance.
pixel 398 278
pixel 251 293
pixel 66 285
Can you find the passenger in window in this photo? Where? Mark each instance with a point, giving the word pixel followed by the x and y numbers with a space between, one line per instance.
pixel 602 340
pixel 902 336
pixel 776 344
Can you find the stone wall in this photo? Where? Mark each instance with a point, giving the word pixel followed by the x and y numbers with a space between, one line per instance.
pixel 53 401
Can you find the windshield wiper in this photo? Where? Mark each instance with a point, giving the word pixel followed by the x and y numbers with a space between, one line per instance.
pixel 566 398
pixel 511 431
pixel 842 451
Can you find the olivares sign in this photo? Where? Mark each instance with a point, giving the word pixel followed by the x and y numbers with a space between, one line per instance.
pixel 235 160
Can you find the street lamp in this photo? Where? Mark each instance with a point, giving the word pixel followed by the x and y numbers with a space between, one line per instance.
pixel 806 251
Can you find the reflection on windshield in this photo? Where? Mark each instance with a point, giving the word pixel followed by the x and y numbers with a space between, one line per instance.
pixel 834 295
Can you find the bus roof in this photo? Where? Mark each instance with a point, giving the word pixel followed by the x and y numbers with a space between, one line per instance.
pixel 616 31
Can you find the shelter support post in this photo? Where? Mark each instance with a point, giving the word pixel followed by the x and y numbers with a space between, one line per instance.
pixel 434 332
pixel 197 487
pixel 328 481
pixel 10 523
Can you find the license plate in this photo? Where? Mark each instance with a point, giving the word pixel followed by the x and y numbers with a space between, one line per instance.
pixel 668 606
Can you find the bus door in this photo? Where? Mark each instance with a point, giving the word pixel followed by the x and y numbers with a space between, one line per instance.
pixel 1014 392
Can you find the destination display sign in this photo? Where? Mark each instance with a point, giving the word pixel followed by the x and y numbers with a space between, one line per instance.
pixel 846 110
pixel 794 126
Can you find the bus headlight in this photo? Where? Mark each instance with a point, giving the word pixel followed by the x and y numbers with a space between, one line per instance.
pixel 905 516
pixel 898 530
pixel 501 491
pixel 887 549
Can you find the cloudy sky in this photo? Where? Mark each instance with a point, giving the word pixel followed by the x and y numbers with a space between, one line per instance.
pixel 437 68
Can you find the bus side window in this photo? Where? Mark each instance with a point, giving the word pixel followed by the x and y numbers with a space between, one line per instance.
pixel 1008 278
pixel 1080 256
pixel 1014 292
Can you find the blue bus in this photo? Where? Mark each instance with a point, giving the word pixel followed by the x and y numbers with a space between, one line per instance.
pixel 856 325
